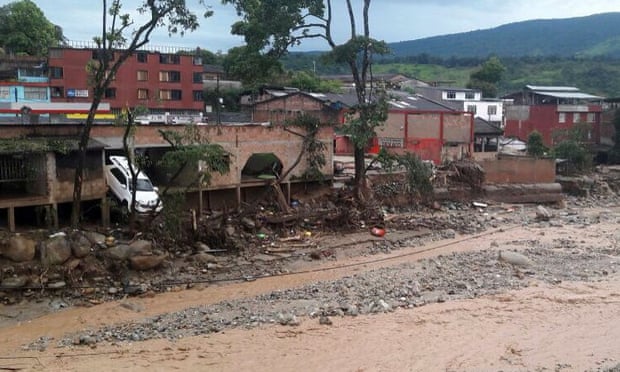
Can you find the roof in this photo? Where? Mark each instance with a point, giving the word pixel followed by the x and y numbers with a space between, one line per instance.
pixel 405 101
pixel 484 127
pixel 561 92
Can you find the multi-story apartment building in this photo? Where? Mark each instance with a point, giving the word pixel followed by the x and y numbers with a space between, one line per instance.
pixel 552 111
pixel 163 83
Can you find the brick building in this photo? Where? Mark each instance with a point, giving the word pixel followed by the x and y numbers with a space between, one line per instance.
pixel 161 82
pixel 552 111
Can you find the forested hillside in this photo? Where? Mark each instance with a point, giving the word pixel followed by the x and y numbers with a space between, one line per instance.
pixel 595 35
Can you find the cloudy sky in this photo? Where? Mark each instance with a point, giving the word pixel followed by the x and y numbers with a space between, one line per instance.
pixel 391 20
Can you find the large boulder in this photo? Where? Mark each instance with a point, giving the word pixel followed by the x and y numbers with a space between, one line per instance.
pixel 142 263
pixel 55 251
pixel 19 249
pixel 14 282
pixel 141 247
pixel 80 245
pixel 119 252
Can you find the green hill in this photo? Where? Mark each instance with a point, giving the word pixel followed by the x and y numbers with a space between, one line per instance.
pixel 595 35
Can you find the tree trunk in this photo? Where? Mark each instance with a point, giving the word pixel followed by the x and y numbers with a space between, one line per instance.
pixel 82 151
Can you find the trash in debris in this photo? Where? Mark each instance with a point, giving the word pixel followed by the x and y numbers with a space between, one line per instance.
pixel 377 231
pixel 480 205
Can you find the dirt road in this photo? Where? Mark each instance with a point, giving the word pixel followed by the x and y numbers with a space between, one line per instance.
pixel 445 306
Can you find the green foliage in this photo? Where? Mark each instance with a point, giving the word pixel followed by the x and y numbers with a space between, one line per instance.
pixel 576 155
pixel 314 148
pixel 230 98
pixel 24 29
pixel 535 145
pixel 583 36
pixel 37 145
pixel 310 82
pixel 418 175
pixel 487 77
pixel 251 67
pixel 190 148
pixel 173 214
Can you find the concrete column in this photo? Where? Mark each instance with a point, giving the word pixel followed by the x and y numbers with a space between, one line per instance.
pixel 105 212
pixel 238 192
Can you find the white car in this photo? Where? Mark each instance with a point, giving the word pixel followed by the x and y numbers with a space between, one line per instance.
pixel 118 178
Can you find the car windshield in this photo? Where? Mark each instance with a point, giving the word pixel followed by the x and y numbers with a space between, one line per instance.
pixel 144 185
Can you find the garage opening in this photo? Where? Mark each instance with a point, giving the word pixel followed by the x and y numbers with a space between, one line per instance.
pixel 261 166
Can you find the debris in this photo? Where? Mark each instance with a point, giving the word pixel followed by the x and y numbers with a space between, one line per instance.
pixel 542 213
pixel 377 231
pixel 515 259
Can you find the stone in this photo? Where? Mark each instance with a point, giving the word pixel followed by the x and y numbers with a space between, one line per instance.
pixel 57 285
pixel 55 251
pixel 80 245
pixel 248 223
pixel 14 282
pixel 95 237
pixel 542 213
pixel 324 320
pixel 142 263
pixel 19 249
pixel 119 252
pixel 204 258
pixel 141 247
pixel 515 259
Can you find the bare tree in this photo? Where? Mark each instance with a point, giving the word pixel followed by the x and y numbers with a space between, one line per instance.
pixel 114 47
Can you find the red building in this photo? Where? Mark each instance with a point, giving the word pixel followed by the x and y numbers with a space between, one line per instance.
pixel 553 111
pixel 162 82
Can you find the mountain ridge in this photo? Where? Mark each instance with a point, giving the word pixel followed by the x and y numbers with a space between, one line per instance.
pixel 587 36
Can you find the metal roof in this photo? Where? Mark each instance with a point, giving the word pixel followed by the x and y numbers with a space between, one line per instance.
pixel 552 88
pixel 574 95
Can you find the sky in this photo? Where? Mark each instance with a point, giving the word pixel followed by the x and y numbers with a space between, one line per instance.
pixel 390 20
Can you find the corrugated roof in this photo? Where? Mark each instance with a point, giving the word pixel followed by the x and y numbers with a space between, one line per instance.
pixel 574 95
pixel 552 88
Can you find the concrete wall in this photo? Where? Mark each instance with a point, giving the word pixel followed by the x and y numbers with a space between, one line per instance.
pixel 523 170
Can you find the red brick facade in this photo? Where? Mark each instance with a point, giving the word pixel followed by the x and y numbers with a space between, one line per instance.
pixel 158 81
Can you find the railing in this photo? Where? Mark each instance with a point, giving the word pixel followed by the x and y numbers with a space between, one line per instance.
pixel 170 49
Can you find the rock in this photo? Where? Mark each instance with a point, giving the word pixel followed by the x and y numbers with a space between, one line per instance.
pixel 204 258
pixel 14 282
pixel 542 213
pixel 95 237
pixel 142 263
pixel 80 245
pixel 230 231
pixel 201 247
pixel 288 319
pixel 19 249
pixel 119 252
pixel 384 306
pixel 515 258
pixel 141 247
pixel 55 251
pixel 325 320
pixel 248 223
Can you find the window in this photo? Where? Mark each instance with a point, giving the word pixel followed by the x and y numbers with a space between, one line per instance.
pixel 35 93
pixel 56 72
pixel 142 75
pixel 5 93
pixel 169 59
pixel 98 54
pixel 197 61
pixel 470 95
pixel 170 95
pixel 451 95
pixel 55 53
pixel 170 76
pixel 119 175
pixel 591 118
pixel 562 117
pixel 471 108
pixel 197 77
pixel 58 92
pixel 492 110
pixel 198 96
pixel 110 93
pixel 142 57
pixel 143 94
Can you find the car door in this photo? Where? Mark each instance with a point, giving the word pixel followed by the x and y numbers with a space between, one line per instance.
pixel 118 184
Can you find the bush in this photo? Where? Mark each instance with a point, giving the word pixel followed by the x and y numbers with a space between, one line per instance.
pixel 535 145
pixel 577 156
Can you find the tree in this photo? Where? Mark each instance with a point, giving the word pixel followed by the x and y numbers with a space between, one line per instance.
pixel 309 82
pixel 114 47
pixel 614 153
pixel 25 30
pixel 272 27
pixel 251 67
pixel 487 77
pixel 535 145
